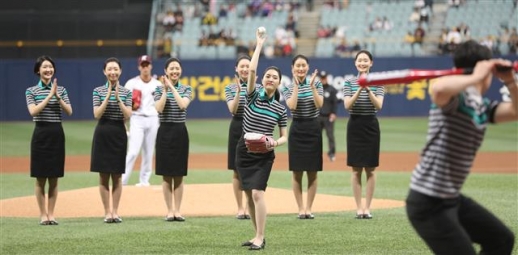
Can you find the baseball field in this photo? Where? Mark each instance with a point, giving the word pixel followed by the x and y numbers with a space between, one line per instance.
pixel 209 206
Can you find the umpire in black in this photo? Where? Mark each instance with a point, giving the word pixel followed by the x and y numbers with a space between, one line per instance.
pixel 327 115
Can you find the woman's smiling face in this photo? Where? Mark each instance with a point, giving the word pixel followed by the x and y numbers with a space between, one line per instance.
pixel 363 63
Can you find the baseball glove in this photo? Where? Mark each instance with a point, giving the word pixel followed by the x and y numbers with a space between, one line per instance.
pixel 258 143
pixel 136 99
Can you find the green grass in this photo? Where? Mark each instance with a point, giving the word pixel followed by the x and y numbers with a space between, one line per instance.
pixel 330 233
pixel 210 136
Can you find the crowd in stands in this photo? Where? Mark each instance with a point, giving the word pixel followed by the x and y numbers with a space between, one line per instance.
pixel 283 40
pixel 505 36
pixel 172 21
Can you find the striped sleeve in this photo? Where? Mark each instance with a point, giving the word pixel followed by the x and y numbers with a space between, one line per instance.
pixel 230 92
pixel 187 92
pixel 379 91
pixel 157 94
pixel 287 91
pixel 29 97
pixel 283 121
pixel 320 88
pixel 64 95
pixel 96 97
pixel 347 91
pixel 129 97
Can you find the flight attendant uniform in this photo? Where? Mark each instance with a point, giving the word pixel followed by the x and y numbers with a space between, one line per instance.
pixel 235 130
pixel 305 135
pixel 363 130
pixel 110 140
pixel 48 137
pixel 261 115
pixel 172 142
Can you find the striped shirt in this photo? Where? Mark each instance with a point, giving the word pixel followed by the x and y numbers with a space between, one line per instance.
pixel 263 113
pixel 306 103
pixel 230 93
pixel 113 110
pixel 455 133
pixel 363 104
pixel 52 111
pixel 171 112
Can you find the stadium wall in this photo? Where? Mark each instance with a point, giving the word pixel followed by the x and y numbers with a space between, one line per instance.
pixel 208 79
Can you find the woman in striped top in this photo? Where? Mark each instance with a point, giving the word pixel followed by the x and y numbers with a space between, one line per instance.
pixel 304 97
pixel 363 133
pixel 45 102
pixel 112 105
pixel 444 218
pixel 262 113
pixel 172 142
pixel 235 95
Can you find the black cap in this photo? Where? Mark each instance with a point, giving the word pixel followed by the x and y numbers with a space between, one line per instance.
pixel 323 73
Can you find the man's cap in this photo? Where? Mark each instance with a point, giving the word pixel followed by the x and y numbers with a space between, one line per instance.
pixel 144 59
pixel 323 73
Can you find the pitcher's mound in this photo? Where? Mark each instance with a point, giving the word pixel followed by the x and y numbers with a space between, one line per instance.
pixel 198 200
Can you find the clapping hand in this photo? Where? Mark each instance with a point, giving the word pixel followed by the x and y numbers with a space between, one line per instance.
pixel 312 79
pixel 54 89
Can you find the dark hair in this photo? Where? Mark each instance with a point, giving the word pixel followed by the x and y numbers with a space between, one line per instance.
pixel 276 69
pixel 297 57
pixel 40 61
pixel 363 51
pixel 277 94
pixel 241 57
pixel 112 59
pixel 468 53
pixel 170 60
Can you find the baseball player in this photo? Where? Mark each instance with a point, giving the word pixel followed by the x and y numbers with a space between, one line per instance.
pixel 143 122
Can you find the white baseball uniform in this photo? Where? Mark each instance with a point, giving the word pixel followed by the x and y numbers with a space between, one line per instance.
pixel 143 129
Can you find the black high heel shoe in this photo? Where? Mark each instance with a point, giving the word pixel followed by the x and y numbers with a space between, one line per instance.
pixel 247 243
pixel 254 247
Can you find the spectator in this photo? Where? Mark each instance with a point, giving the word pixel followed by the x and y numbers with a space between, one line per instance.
pixel 503 39
pixel 223 12
pixel 453 38
pixel 513 41
pixel 377 24
pixel 429 3
pixel 179 19
pixel 386 24
pixel 443 41
pixel 419 34
pixel 209 19
pixel 291 23
pixel 464 32
pixel 489 42
pixel 409 38
pixel 415 17
pixel 355 48
pixel 424 15
pixel 241 48
pixel 169 20
pixel 342 50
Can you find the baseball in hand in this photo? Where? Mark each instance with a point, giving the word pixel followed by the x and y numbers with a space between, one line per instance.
pixel 261 31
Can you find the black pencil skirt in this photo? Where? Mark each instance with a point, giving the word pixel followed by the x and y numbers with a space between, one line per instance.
pixel 109 147
pixel 235 132
pixel 253 168
pixel 363 141
pixel 48 150
pixel 172 149
pixel 305 145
